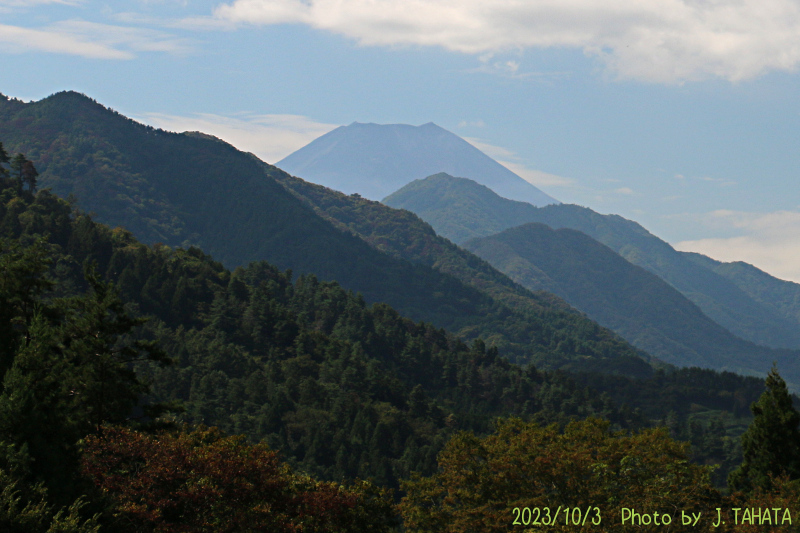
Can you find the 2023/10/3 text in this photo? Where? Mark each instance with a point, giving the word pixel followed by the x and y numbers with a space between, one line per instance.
pixel 544 516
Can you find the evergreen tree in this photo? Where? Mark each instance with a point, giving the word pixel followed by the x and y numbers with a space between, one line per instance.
pixel 771 445
pixel 3 160
pixel 69 375
pixel 28 175
pixel 17 165
pixel 22 281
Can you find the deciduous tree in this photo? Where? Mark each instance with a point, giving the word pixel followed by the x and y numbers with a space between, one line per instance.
pixel 586 469
pixel 206 481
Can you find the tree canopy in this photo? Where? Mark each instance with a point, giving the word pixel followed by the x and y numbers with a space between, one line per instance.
pixel 585 471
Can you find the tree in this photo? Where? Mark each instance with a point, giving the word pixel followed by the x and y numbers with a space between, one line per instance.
pixel 3 160
pixel 23 280
pixel 95 339
pixel 586 469
pixel 771 445
pixel 206 481
pixel 69 374
pixel 28 175
pixel 30 513
pixel 17 164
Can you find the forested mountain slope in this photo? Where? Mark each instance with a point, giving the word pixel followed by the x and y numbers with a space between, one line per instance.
pixel 342 388
pixel 193 190
pixel 402 234
pixel 461 209
pixel 638 305
pixel 778 294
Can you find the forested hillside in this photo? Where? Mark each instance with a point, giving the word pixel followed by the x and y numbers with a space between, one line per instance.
pixel 402 234
pixel 341 388
pixel 193 190
pixel 460 209
pixel 637 304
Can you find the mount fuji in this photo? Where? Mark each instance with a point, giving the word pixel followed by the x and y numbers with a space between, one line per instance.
pixel 374 160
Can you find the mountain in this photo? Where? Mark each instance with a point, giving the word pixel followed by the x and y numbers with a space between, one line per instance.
pixel 187 190
pixel 779 295
pixel 402 234
pixel 374 160
pixel 635 303
pixel 341 388
pixel 746 301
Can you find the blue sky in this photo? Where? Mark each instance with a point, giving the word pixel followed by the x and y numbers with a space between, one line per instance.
pixel 680 114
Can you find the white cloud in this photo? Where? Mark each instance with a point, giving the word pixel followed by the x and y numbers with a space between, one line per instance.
pixel 627 191
pixel 512 162
pixel 495 152
pixel 510 68
pixel 88 39
pixel 17 39
pixel 707 179
pixel 664 41
pixel 31 3
pixel 537 177
pixel 270 137
pixel 770 241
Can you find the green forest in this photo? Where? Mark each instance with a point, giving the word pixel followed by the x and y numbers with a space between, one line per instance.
pixel 150 388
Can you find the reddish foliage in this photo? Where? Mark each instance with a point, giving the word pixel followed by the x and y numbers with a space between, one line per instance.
pixel 205 481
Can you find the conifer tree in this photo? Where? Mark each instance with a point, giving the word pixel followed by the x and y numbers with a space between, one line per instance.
pixel 3 160
pixel 16 165
pixel 29 174
pixel 771 445
pixel 69 375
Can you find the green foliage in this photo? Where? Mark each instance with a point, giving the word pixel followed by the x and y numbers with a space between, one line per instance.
pixel 527 327
pixel 69 376
pixel 4 160
pixel 22 282
pixel 30 513
pixel 342 388
pixel 167 188
pixel 706 408
pixel 771 445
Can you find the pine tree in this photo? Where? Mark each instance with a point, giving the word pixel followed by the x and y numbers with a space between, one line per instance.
pixel 17 165
pixel 69 375
pixel 3 160
pixel 29 174
pixel 771 445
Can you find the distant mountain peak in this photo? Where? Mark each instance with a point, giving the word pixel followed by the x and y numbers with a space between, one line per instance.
pixel 374 160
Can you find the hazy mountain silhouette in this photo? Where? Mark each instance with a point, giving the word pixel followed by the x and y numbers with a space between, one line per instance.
pixel 190 189
pixel 375 160
pixel 746 301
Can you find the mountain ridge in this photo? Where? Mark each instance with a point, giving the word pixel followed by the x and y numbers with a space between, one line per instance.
pixel 626 298
pixel 189 190
pixel 460 209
